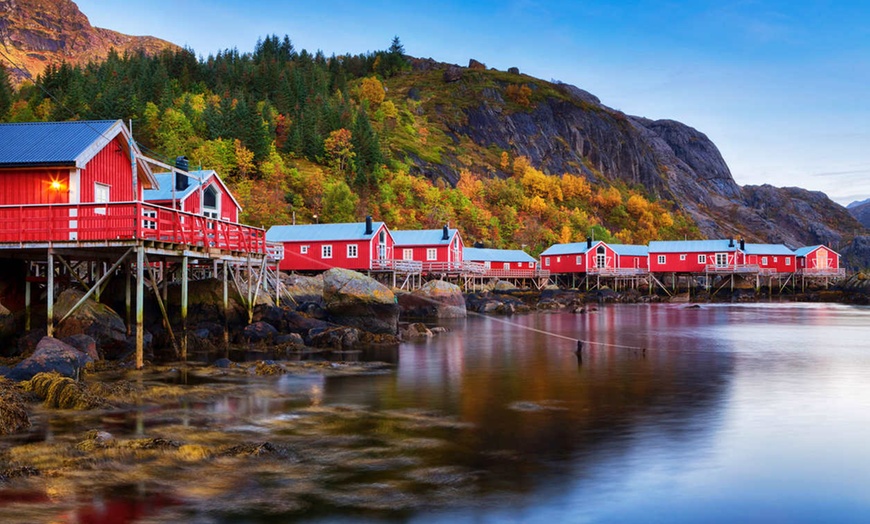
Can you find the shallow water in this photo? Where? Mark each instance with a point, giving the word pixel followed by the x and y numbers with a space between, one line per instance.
pixel 724 413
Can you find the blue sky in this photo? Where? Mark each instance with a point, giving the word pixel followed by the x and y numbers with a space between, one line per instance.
pixel 778 86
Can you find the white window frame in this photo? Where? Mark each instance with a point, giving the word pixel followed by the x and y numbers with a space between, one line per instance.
pixel 579 260
pixel 662 259
pixel 702 259
pixel 507 265
pixel 431 253
pixel 352 251
pixel 682 257
pixel 775 260
pixel 787 261
pixel 303 250
pixel 763 261
pixel 326 251
pixel 547 261
pixel 102 193
pixel 408 254
pixel 721 259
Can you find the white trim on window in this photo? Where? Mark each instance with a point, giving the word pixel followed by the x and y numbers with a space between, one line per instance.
pixel 326 251
pixel 352 251
pixel 662 259
pixel 431 253
pixel 303 250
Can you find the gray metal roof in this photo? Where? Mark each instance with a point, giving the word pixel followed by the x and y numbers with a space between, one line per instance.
pixel 424 237
pixel 54 143
pixel 475 254
pixel 692 246
pixel 321 232
pixel 629 250
pixel 574 248
pixel 806 250
pixel 767 249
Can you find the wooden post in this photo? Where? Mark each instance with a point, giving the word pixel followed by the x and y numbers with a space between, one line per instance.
pixel 49 327
pixel 184 278
pixel 140 306
pixel 226 309
pixel 129 298
pixel 27 307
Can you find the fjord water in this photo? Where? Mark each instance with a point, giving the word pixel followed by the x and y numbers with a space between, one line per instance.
pixel 724 413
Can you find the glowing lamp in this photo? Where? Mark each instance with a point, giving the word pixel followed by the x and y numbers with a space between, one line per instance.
pixel 56 185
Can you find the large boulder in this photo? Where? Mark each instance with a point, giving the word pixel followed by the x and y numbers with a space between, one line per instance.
pixel 96 320
pixel 301 289
pixel 51 355
pixel 353 299
pixel 437 298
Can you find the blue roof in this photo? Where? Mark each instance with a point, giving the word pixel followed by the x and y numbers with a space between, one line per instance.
pixel 573 248
pixel 629 250
pixel 767 249
pixel 321 232
pixel 475 254
pixel 806 250
pixel 166 182
pixel 692 246
pixel 424 237
pixel 54 143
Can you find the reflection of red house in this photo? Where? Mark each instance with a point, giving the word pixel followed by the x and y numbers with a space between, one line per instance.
pixel 318 247
pixel 818 260
pixel 438 250
pixel 183 192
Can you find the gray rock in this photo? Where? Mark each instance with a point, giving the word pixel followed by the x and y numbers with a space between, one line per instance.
pixel 96 320
pixel 355 300
pixel 474 64
pixel 259 332
pixel 83 343
pixel 436 298
pixel 514 70
pixel 452 74
pixel 51 355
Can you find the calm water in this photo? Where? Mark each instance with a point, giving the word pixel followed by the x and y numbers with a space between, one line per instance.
pixel 727 413
pixel 755 413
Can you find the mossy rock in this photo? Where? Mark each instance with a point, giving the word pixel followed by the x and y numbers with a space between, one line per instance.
pixel 58 391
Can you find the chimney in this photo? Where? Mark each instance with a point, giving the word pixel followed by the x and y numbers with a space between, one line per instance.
pixel 742 245
pixel 730 242
pixel 181 181
pixel 445 235
pixel 588 242
pixel 369 229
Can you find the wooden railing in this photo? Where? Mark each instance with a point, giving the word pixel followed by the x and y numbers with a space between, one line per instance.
pixel 732 268
pixel 112 221
pixel 617 271
pixel 823 271
pixel 401 266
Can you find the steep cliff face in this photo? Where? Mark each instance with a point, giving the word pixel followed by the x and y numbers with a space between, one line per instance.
pixel 861 212
pixel 37 33
pixel 566 129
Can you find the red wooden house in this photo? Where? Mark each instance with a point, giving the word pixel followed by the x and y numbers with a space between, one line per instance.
pixel 696 256
pixel 595 257
pixel 501 263
pixel 770 258
pixel 818 260
pixel 438 250
pixel 318 247
pixel 200 193
pixel 85 181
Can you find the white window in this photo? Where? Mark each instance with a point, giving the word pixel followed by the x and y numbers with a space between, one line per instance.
pixel 326 251
pixel 150 220
pixel 531 264
pixel 101 196
pixel 763 261
pixel 787 261
pixel 579 260
pixel 431 254
pixel 775 260
pixel 661 259
pixel 407 254
pixel 702 259
pixel 507 265
pixel 558 259
pixel 682 257
pixel 352 251
pixel 547 261
pixel 721 259
pixel 303 250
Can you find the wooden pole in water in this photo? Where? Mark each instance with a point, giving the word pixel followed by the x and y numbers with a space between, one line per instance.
pixel 128 297
pixel 49 327
pixel 140 306
pixel 184 275
pixel 226 298
pixel 27 307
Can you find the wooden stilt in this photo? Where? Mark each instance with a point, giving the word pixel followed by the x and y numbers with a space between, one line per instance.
pixel 140 307
pixel 226 309
pixel 184 279
pixel 128 297
pixel 27 306
pixel 49 327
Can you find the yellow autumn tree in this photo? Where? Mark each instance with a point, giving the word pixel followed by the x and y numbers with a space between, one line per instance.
pixel 372 90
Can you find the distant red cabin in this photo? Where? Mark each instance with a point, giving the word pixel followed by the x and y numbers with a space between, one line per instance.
pixel 438 250
pixel 595 257
pixel 501 263
pixel 695 256
pixel 359 246
pixel 770 258
pixel 183 192
pixel 818 260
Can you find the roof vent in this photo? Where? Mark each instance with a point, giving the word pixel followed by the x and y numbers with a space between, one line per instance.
pixel 730 242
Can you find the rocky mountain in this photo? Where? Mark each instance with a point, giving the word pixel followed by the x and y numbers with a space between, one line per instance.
pixel 861 212
pixel 565 129
pixel 37 33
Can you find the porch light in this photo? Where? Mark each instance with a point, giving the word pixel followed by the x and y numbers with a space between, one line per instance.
pixel 56 185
